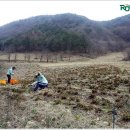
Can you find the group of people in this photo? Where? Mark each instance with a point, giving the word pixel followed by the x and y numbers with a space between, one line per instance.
pixel 40 83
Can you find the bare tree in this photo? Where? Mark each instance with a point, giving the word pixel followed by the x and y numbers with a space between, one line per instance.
pixel 9 56
pixel 25 57
pixel 47 57
pixel 68 55
pixel 36 55
pixel 15 57
pixel 69 48
pixel 29 57
pixel 56 57
pixel 61 56
pixel 41 57
pixel 127 54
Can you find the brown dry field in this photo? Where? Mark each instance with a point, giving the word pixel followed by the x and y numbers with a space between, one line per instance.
pixel 81 94
pixel 115 59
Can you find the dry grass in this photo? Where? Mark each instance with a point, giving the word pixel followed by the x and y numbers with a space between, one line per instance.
pixel 77 94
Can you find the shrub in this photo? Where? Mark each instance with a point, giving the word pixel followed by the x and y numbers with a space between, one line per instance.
pixel 84 106
pixel 57 101
pixel 94 91
pixel 91 96
pixel 95 101
pixel 63 97
pixel 127 55
pixel 126 116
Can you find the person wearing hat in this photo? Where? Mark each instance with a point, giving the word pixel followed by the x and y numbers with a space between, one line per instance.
pixel 10 73
pixel 41 81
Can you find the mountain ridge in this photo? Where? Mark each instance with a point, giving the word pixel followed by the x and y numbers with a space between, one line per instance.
pixel 66 32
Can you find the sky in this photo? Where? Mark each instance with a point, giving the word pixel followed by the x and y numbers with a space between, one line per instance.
pixel 95 10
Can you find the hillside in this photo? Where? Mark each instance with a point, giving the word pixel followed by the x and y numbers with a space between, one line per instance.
pixel 120 26
pixel 63 32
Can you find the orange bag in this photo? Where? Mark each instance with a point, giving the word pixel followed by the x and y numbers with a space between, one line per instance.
pixel 3 82
pixel 14 81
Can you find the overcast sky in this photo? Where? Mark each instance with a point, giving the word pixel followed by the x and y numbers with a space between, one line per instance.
pixel 95 10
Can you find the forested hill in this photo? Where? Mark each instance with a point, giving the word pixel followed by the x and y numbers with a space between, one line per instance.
pixel 120 26
pixel 63 33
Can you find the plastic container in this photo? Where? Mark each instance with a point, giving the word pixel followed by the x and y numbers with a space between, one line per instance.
pixel 2 82
pixel 14 81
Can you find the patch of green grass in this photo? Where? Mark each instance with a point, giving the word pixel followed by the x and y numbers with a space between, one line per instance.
pixel 33 111
pixel 77 117
pixel 3 125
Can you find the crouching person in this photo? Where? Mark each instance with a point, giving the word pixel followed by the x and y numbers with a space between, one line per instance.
pixel 41 82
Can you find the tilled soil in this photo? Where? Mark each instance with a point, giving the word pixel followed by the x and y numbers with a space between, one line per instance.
pixel 79 96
